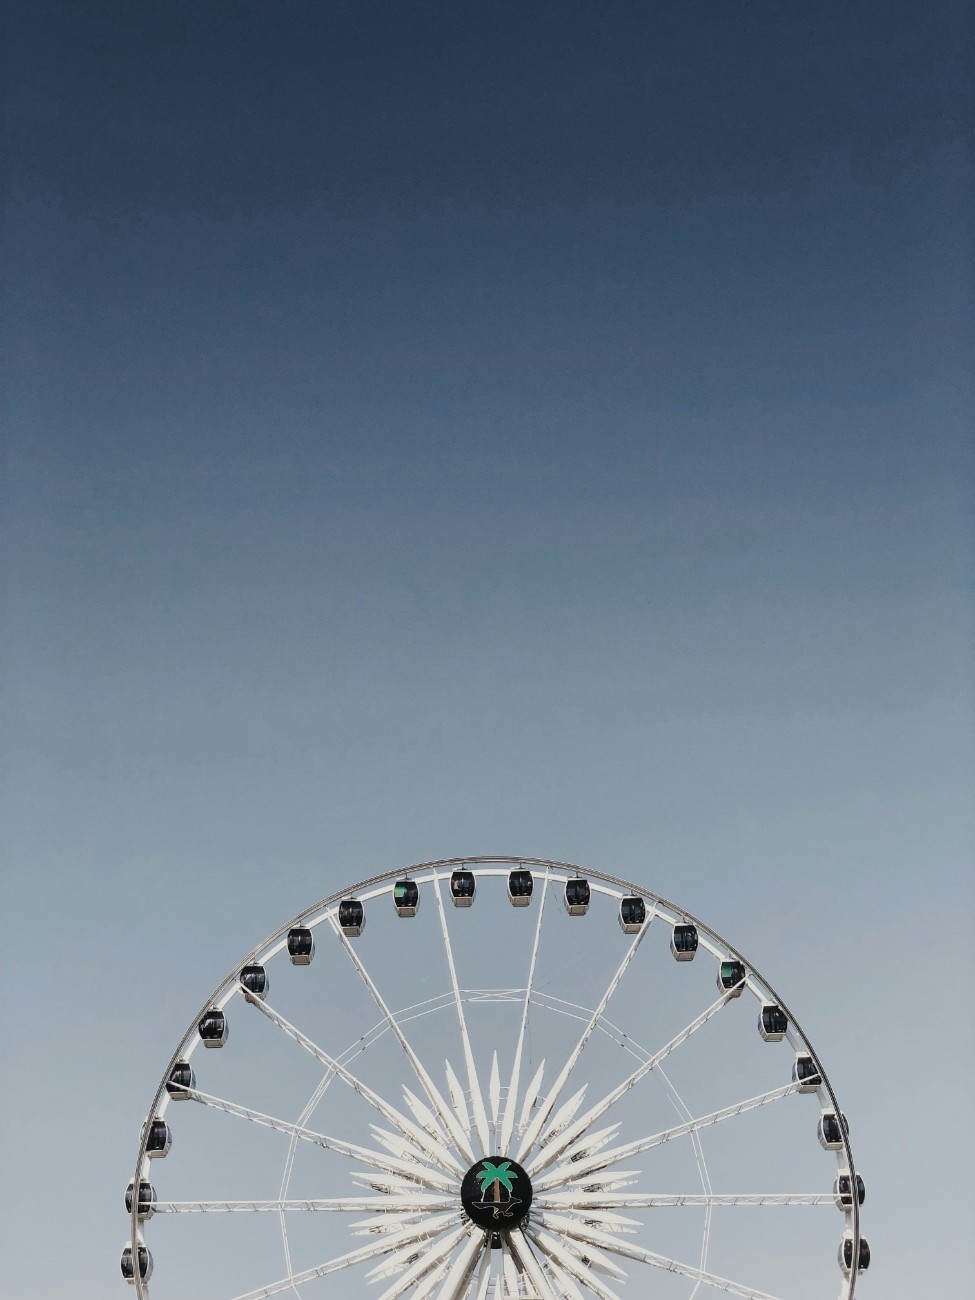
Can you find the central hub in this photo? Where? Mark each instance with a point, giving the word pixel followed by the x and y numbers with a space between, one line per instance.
pixel 496 1194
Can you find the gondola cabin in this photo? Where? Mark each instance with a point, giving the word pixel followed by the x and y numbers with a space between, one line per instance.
pixel 633 914
pixel 843 1191
pixel 577 895
pixel 731 977
pixel 772 1022
pixel 462 886
pixel 845 1254
pixel 254 982
pixel 213 1028
pixel 832 1130
pixel 406 897
pixel 159 1140
pixel 181 1078
pixel 147 1199
pixel 128 1265
pixel 520 886
pixel 301 945
pixel 683 941
pixel 352 920
pixel 805 1074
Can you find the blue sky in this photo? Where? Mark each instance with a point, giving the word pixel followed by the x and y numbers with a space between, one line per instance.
pixel 458 428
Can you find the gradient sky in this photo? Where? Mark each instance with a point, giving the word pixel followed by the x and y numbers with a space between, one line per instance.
pixel 452 428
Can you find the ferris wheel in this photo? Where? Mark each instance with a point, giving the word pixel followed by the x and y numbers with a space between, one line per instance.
pixel 488 1079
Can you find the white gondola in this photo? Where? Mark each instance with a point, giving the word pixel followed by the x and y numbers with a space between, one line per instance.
pixel 147 1199
pixel 462 887
pixel 128 1264
pixel 255 983
pixel 772 1022
pixel 683 941
pixel 301 945
pixel 577 894
pixel 406 897
pixel 213 1028
pixel 731 977
pixel 845 1254
pixel 352 918
pixel 520 886
pixel 160 1139
pixel 633 914
pixel 832 1130
pixel 805 1073
pixel 181 1078
pixel 843 1191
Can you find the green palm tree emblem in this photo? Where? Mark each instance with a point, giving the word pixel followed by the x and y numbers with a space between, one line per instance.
pixel 492 1178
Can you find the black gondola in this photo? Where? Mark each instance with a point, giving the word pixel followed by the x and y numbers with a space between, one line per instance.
pixel 520 886
pixel 147 1199
pixel 254 982
pixel 181 1077
pixel 462 886
pixel 406 897
pixel 832 1130
pixel 213 1028
pixel 144 1261
pixel 160 1139
pixel 772 1023
pixel 352 919
pixel 843 1192
pixel 731 977
pixel 845 1255
pixel 633 914
pixel 301 945
pixel 683 941
pixel 805 1074
pixel 577 894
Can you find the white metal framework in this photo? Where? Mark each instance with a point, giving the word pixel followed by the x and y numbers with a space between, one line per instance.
pixel 417 1074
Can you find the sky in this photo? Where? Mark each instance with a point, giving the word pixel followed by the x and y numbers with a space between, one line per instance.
pixel 460 428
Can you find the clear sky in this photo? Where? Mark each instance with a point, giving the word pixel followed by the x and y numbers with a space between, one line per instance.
pixel 457 427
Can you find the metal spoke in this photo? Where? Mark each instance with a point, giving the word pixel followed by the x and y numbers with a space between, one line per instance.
pixel 555 1249
pixel 423 1139
pixel 477 1098
pixel 553 1149
pixel 430 1260
pixel 440 1106
pixel 508 1123
pixel 535 1128
pixel 459 1276
pixel 394 1206
pixel 572 1173
pixel 413 1172
pixel 526 1261
pixel 584 1202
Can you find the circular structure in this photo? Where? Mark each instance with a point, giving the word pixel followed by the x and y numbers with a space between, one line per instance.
pixel 501 1078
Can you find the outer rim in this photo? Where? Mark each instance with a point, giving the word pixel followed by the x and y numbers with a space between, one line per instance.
pixel 135 1239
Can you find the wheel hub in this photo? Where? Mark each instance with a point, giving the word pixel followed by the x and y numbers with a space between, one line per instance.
pixel 496 1194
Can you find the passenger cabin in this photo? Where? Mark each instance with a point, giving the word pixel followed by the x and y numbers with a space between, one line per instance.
pixel 831 1133
pixel 731 977
pixel 160 1139
pixel 633 914
pixel 213 1028
pixel 406 897
pixel 181 1077
pixel 142 1259
pixel 301 945
pixel 520 886
pixel 577 894
pixel 462 886
pixel 147 1199
pixel 843 1191
pixel 683 941
pixel 352 920
pixel 254 982
pixel 845 1255
pixel 805 1074
pixel 772 1022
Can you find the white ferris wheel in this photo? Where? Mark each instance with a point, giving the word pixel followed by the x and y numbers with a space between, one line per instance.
pixel 490 1078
